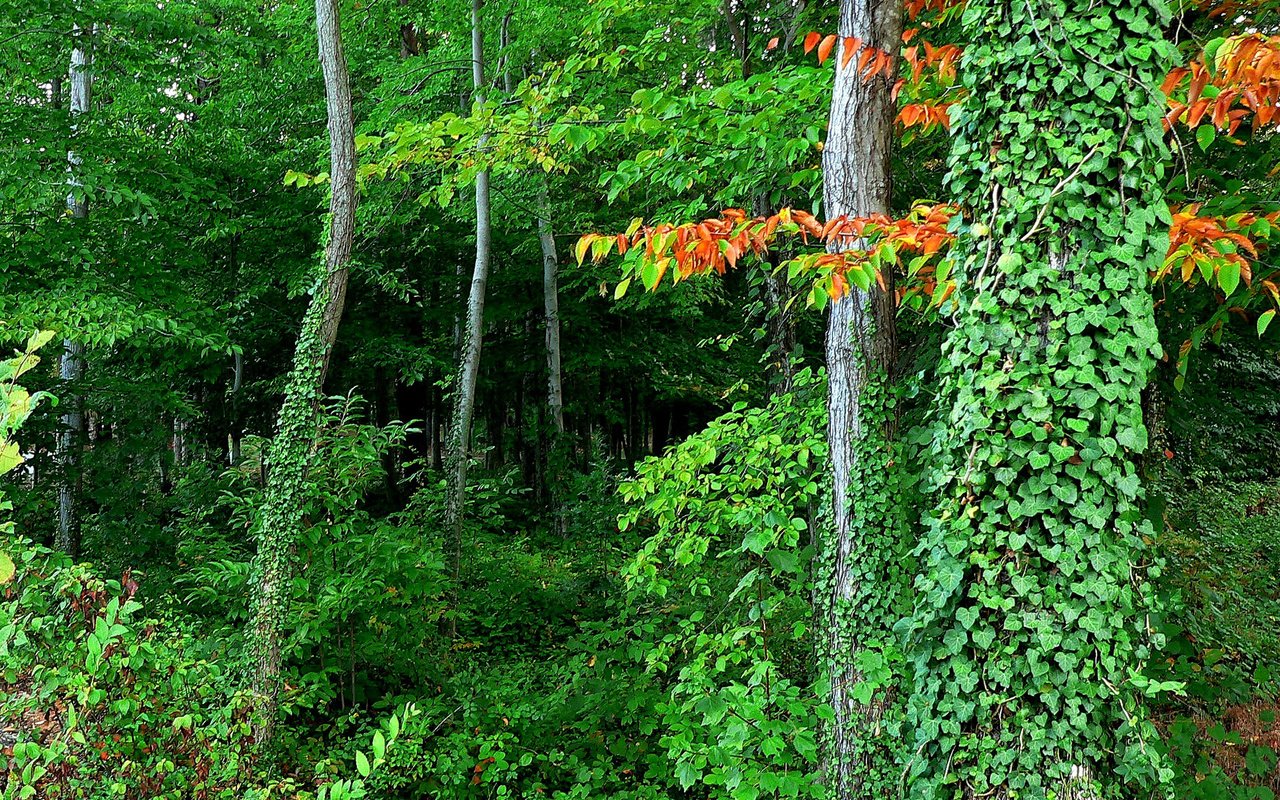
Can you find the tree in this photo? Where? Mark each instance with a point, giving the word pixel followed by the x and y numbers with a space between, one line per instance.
pixel 852 594
pixel 280 520
pixel 464 397
pixel 71 365
pixel 1030 630
pixel 551 322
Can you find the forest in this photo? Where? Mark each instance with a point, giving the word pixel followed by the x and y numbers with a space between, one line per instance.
pixel 640 399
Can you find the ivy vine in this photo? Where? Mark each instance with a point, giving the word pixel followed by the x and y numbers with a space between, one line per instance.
pixel 1034 606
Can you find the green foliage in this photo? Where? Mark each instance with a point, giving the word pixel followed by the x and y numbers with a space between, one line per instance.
pixel 680 657
pixel 104 702
pixel 384 571
pixel 1221 551
pixel 720 596
pixel 1219 548
pixel 1028 639
pixel 16 403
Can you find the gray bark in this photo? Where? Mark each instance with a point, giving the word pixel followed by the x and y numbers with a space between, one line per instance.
pixel 555 451
pixel 777 317
pixel 71 366
pixel 551 308
pixel 233 439
pixel 860 347
pixel 504 61
pixel 472 337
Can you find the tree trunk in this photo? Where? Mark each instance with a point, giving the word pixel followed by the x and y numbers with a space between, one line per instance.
pixel 551 309
pixel 237 434
pixel 555 451
pixel 782 333
pixel 1031 625
pixel 504 61
pixel 458 456
pixel 71 366
pixel 860 352
pixel 279 521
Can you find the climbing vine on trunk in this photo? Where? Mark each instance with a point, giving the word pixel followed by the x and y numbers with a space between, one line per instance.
pixel 1033 612
pixel 280 521
pixel 853 589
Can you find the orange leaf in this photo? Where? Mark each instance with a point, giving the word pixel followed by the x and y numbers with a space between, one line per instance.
pixel 824 49
pixel 851 45
pixel 1196 113
pixel 811 40
pixel 1173 79
pixel 772 43
pixel 866 56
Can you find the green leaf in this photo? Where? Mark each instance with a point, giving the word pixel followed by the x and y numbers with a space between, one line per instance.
pixel 10 457
pixel 1264 319
pixel 621 288
pixel 1229 277
pixel 362 764
pixel 7 569
pixel 38 339
pixel 1205 135
pixel 379 745
pixel 1211 53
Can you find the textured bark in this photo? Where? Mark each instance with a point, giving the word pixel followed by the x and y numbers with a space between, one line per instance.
pixel 782 331
pixel 233 440
pixel 860 349
pixel 71 366
pixel 280 521
pixel 551 309
pixel 70 440
pixel 504 61
pixel 555 456
pixel 464 399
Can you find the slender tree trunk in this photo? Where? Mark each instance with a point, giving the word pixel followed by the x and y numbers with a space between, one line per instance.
pixel 280 518
pixel 551 310
pixel 70 441
pixel 860 351
pixel 71 366
pixel 556 457
pixel 409 45
pixel 782 332
pixel 458 458
pixel 237 382
pixel 504 61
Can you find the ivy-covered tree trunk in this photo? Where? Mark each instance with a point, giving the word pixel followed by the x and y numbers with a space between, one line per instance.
pixel 852 594
pixel 71 365
pixel 1032 618
pixel 279 523
pixel 464 391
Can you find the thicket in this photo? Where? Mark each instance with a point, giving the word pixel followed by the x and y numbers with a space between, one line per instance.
pixel 1065 580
